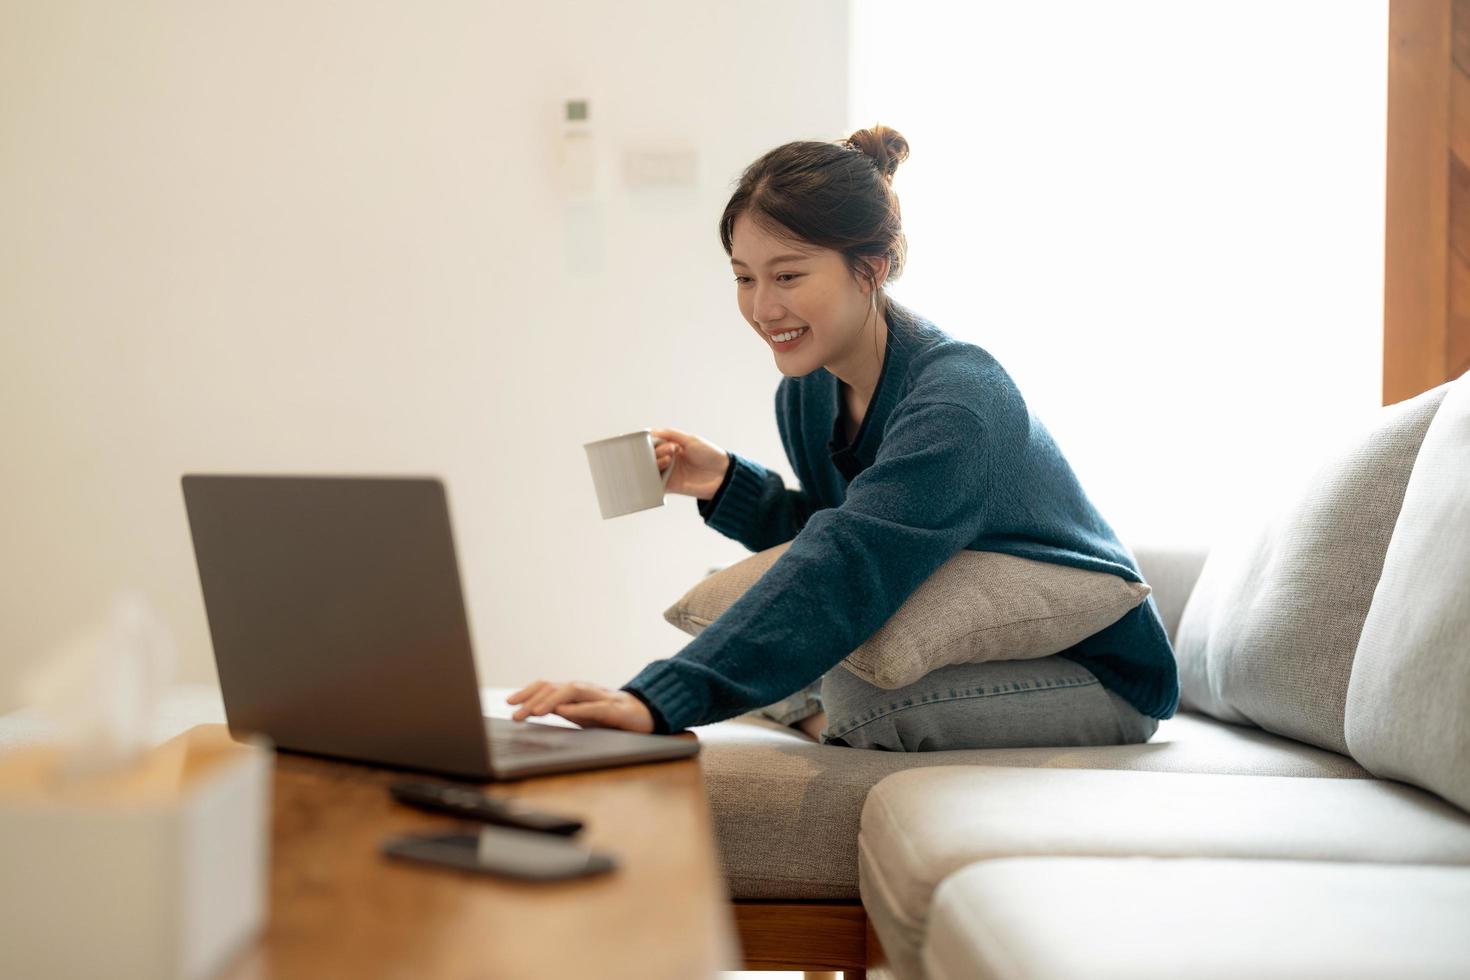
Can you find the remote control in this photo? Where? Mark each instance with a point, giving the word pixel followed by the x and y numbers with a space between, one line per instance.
pixel 471 804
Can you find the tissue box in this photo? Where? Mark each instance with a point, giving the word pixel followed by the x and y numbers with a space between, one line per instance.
pixel 157 872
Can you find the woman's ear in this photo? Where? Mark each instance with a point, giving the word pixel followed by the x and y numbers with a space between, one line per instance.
pixel 879 268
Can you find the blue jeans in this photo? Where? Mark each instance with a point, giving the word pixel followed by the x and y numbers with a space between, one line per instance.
pixel 998 704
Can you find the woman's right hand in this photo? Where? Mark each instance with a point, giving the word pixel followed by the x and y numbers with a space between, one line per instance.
pixel 699 466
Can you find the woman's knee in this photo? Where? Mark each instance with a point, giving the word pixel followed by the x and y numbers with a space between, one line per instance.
pixel 797 706
pixel 1134 726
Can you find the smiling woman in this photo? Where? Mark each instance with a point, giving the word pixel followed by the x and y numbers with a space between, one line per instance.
pixel 910 446
pixel 806 302
pixel 809 285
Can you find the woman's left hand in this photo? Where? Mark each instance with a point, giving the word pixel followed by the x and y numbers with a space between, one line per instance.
pixel 588 705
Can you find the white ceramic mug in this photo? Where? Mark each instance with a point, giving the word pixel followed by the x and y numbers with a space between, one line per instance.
pixel 625 472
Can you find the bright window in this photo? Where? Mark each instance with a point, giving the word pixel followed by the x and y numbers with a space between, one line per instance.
pixel 1164 219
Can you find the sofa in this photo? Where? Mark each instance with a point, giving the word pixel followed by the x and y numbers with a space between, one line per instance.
pixel 1304 813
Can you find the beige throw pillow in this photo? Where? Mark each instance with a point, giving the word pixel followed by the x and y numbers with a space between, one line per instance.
pixel 977 606
pixel 1405 716
pixel 1269 633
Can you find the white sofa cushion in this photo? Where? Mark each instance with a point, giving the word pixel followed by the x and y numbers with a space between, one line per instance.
pixel 1407 712
pixel 920 826
pixel 1268 634
pixel 786 808
pixel 1141 919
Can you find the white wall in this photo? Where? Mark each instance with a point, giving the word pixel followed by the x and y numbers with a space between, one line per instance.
pixel 327 238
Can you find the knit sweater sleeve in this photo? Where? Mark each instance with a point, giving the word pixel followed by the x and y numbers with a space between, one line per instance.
pixel 754 506
pixel 847 571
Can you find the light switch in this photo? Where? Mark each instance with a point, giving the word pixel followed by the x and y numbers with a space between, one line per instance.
pixel 661 168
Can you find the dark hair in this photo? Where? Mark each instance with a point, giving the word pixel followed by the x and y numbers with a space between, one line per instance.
pixel 833 195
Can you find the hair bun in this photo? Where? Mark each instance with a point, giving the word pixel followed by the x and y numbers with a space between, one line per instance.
pixel 884 144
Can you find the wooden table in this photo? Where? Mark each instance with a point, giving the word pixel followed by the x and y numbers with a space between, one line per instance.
pixel 340 909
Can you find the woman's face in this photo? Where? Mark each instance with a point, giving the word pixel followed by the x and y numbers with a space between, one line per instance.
pixel 800 289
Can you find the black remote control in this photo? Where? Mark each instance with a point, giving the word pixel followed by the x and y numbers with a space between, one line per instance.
pixel 471 804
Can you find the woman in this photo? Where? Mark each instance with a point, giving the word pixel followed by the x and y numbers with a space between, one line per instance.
pixel 909 446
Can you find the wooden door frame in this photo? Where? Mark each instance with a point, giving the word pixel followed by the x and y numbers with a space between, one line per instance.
pixel 1426 282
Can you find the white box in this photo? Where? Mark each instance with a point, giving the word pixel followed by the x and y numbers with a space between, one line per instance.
pixel 161 873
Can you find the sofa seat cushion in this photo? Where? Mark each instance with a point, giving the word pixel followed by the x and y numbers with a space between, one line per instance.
pixel 786 809
pixel 1143 918
pixel 922 825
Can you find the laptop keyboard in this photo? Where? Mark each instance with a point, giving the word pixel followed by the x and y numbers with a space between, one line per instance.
pixel 509 739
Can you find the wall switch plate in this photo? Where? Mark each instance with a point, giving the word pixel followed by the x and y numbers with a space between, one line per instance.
pixel 661 168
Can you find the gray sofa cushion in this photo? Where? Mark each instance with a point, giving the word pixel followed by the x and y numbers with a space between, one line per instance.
pixel 977 606
pixel 1408 703
pixel 921 826
pixel 1269 632
pixel 786 808
pixel 1268 920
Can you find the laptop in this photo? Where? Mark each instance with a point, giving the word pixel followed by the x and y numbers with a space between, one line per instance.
pixel 339 629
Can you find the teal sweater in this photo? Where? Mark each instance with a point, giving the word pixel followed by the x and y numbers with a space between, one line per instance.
pixel 949 456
